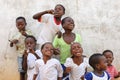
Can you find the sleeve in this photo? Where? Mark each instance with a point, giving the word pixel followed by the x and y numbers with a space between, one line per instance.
pixel 36 67
pixel 30 61
pixel 29 32
pixel 88 76
pixel 79 39
pixel 108 76
pixel 60 70
pixel 55 42
pixel 16 36
pixel 68 62
pixel 115 72
pixel 44 18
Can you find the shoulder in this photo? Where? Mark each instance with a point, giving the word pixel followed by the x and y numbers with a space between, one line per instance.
pixel 107 74
pixel 88 76
pixel 69 59
pixel 38 52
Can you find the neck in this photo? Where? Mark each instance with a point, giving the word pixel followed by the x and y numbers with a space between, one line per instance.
pixel 78 58
pixel 46 58
pixel 68 32
pixel 57 18
pixel 98 72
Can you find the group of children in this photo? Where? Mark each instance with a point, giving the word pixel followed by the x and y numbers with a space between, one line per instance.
pixel 56 38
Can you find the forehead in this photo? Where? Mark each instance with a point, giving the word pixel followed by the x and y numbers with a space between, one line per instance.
pixel 48 45
pixel 67 19
pixel 58 6
pixel 108 54
pixel 29 40
pixel 75 44
pixel 20 20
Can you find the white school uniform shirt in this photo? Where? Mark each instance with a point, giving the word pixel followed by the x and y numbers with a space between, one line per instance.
pixel 31 64
pixel 77 71
pixel 92 76
pixel 49 71
pixel 49 30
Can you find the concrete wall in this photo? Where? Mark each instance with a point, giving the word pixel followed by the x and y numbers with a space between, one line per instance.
pixel 97 21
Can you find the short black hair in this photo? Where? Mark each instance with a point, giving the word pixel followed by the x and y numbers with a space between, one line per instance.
pixel 45 44
pixel 30 36
pixel 61 6
pixel 63 20
pixel 20 17
pixel 95 59
pixel 107 51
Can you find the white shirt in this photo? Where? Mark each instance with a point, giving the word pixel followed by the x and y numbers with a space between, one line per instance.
pixel 77 70
pixel 49 71
pixel 92 76
pixel 49 30
pixel 31 64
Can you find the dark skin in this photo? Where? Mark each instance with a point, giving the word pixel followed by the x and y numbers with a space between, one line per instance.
pixel 58 12
pixel 110 59
pixel 30 46
pixel 68 26
pixel 101 66
pixel 47 52
pixel 20 24
pixel 76 51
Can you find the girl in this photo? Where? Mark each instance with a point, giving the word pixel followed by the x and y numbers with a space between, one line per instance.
pixel 30 56
pixel 76 65
pixel 99 65
pixel 110 68
pixel 48 68
pixel 52 20
pixel 66 39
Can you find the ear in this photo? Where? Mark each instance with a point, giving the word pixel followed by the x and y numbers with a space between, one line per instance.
pixel 97 66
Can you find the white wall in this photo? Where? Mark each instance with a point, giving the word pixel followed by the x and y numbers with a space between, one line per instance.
pixel 97 21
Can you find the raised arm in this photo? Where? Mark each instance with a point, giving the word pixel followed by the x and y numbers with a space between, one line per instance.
pixel 38 15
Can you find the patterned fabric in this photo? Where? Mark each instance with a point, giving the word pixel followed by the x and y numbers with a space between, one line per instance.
pixel 112 71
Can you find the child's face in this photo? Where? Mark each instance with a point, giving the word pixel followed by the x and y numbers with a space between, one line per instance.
pixel 68 24
pixel 58 11
pixel 20 24
pixel 47 50
pixel 102 64
pixel 76 49
pixel 109 58
pixel 30 43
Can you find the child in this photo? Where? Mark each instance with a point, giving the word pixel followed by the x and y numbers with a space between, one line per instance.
pixel 18 41
pixel 67 38
pixel 99 65
pixel 30 56
pixel 110 68
pixel 76 65
pixel 48 68
pixel 52 20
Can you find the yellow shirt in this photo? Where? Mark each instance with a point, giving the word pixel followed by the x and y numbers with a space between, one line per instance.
pixel 20 46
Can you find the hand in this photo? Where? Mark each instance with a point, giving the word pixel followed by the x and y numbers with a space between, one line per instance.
pixel 82 77
pixel 56 51
pixel 25 54
pixel 15 41
pixel 32 51
pixel 59 34
pixel 119 74
pixel 50 11
pixel 23 33
pixel 68 69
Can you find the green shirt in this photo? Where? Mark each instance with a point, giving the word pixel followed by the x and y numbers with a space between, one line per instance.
pixel 64 47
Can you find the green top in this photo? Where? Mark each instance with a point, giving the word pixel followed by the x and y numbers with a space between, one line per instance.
pixel 64 47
